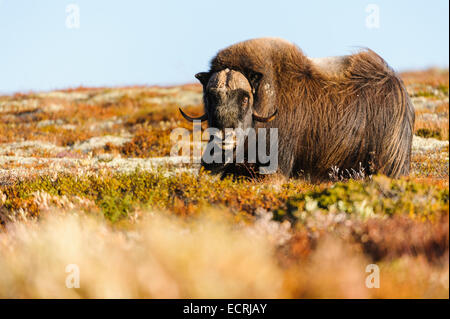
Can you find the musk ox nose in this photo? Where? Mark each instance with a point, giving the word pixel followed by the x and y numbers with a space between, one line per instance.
pixel 225 111
pixel 225 116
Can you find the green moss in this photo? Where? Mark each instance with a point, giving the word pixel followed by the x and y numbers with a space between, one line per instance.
pixel 427 94
pixel 116 208
pixel 380 196
pixel 443 88
pixel 427 133
pixel 117 194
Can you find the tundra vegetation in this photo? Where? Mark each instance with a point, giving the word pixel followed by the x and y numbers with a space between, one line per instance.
pixel 86 179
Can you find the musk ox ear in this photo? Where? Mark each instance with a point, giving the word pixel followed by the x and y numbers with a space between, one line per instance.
pixel 254 78
pixel 203 77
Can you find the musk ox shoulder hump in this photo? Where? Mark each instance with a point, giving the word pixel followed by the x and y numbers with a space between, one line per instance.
pixel 269 55
pixel 331 66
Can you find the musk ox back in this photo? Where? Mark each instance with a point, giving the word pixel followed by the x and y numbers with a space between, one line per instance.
pixel 347 112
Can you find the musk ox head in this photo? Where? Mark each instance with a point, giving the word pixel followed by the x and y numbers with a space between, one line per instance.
pixel 229 97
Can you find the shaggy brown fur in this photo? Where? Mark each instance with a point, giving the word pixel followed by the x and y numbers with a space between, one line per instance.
pixel 360 113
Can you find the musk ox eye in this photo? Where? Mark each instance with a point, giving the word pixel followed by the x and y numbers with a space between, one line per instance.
pixel 245 100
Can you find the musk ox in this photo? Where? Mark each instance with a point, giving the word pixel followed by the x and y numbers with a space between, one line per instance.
pixel 348 112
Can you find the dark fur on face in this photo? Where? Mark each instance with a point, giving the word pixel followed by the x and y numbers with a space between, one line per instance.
pixel 228 99
pixel 226 110
pixel 340 114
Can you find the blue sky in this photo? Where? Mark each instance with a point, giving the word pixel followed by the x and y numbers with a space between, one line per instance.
pixel 166 42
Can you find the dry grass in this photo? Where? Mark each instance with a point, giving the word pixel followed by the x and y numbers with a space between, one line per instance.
pixel 433 123
pixel 162 256
pixel 432 77
pixel 159 257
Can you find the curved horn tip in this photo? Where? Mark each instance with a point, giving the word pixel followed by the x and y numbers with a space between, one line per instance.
pixel 259 118
pixel 202 118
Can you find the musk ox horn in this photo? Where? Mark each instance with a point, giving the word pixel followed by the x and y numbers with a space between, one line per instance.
pixel 202 118
pixel 259 118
